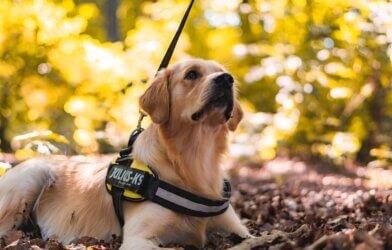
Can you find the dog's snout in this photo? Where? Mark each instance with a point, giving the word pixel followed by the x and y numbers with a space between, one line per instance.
pixel 224 80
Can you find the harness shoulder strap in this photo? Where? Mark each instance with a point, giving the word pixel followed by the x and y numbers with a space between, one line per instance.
pixel 117 194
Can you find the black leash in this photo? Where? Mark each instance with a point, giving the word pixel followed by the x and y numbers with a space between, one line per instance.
pixel 170 50
pixel 125 159
pixel 172 46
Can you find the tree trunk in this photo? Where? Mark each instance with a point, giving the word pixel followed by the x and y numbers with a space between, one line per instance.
pixel 376 108
pixel 5 145
pixel 111 20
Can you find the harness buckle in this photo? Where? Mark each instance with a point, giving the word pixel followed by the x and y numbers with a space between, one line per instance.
pixel 226 192
pixel 124 161
pixel 133 136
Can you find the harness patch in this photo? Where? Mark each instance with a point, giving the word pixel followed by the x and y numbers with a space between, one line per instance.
pixel 125 177
pixel 131 180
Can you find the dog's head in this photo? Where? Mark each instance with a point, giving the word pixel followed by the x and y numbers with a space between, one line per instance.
pixel 195 92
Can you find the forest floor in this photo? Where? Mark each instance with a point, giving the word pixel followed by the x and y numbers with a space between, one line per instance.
pixel 287 204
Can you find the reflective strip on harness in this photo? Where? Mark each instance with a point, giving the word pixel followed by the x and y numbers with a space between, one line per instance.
pixel 188 204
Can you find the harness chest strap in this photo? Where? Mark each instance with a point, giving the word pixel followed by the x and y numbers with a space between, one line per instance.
pixel 136 185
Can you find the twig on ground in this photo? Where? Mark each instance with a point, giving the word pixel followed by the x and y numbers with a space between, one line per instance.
pixel 369 242
pixel 320 243
pixel 266 239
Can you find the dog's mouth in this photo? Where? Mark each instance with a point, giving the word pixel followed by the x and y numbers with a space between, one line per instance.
pixel 223 101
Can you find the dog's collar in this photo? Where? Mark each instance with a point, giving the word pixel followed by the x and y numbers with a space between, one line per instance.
pixel 135 182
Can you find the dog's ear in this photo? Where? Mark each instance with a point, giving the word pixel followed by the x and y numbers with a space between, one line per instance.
pixel 156 99
pixel 236 116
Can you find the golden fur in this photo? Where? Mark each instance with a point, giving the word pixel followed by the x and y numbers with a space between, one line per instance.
pixel 68 195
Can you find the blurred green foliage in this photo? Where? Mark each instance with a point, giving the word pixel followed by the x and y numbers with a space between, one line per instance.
pixel 314 75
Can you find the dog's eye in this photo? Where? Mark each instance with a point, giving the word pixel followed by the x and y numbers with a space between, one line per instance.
pixel 192 75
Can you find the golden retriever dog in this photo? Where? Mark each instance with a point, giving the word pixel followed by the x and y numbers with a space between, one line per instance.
pixel 193 106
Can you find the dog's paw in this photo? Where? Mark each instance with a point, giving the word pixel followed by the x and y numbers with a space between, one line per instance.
pixel 243 232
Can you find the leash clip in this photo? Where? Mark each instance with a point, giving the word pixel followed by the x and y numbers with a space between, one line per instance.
pixel 139 122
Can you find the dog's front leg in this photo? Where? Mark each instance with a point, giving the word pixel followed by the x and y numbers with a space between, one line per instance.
pixel 146 226
pixel 228 222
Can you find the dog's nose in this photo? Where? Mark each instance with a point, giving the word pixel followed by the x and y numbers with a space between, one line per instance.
pixel 224 80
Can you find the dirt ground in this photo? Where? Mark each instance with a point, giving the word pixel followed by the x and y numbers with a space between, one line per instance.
pixel 286 204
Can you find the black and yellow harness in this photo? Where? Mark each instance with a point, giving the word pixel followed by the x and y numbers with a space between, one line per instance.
pixel 132 181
